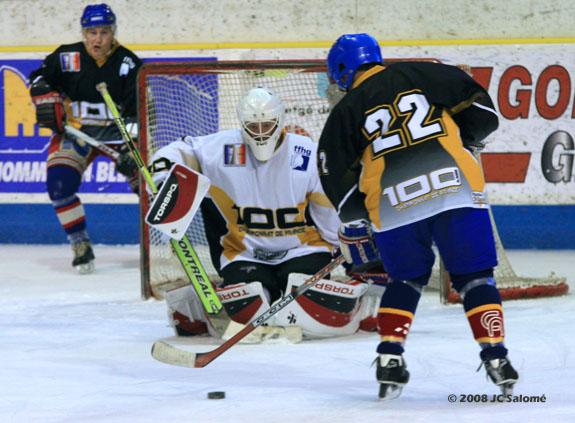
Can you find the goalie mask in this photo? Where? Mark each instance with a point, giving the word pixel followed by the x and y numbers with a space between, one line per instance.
pixel 261 114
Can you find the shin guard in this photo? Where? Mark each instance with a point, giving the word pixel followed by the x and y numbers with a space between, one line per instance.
pixel 396 312
pixel 482 305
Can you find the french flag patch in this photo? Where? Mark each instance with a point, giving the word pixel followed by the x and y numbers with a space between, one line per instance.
pixel 234 155
pixel 70 62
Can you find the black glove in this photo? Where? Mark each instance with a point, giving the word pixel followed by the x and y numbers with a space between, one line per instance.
pixel 49 106
pixel 126 165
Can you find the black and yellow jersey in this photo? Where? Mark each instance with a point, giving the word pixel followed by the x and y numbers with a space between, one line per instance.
pixel 71 71
pixel 396 148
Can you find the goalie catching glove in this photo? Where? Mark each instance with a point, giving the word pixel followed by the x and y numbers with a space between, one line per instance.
pixel 49 106
pixel 356 243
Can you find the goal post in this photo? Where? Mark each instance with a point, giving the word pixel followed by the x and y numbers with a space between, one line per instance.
pixel 197 98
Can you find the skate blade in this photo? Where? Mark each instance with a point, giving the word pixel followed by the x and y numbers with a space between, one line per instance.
pixel 388 392
pixel 85 268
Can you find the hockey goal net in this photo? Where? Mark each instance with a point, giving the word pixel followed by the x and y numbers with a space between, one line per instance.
pixel 199 98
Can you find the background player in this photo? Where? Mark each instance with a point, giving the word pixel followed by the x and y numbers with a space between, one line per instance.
pixel 63 90
pixel 266 218
pixel 395 159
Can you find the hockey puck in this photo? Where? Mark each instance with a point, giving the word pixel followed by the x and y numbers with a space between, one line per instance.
pixel 216 395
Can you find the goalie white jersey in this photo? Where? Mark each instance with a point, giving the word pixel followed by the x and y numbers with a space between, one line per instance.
pixel 265 212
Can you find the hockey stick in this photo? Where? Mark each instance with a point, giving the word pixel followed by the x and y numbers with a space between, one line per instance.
pixel 169 354
pixel 183 248
pixel 82 136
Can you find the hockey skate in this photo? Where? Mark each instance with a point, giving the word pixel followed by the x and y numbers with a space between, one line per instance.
pixel 392 375
pixel 83 257
pixel 502 373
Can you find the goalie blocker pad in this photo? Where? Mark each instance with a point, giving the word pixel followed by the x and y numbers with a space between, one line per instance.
pixel 178 200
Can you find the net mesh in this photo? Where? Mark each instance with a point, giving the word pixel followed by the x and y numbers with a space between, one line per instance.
pixel 199 98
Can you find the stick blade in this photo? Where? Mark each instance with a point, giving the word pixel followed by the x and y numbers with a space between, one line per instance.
pixel 168 354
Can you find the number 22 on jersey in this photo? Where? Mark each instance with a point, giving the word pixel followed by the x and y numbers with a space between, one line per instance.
pixel 413 111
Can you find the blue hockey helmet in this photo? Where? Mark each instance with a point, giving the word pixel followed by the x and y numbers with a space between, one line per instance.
pixel 97 15
pixel 348 53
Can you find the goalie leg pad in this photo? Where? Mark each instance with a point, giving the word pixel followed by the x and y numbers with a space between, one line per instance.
pixel 244 301
pixel 369 307
pixel 185 312
pixel 329 308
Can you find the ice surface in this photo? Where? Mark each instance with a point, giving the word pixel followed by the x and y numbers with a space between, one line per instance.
pixel 77 349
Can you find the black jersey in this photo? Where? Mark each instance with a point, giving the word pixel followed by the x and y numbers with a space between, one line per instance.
pixel 71 71
pixel 393 147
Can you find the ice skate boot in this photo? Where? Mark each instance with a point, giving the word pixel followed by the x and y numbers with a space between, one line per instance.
pixel 83 257
pixel 392 375
pixel 502 373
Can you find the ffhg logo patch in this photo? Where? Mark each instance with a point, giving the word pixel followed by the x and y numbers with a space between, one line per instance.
pixel 300 158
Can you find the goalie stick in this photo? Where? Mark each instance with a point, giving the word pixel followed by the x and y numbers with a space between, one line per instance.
pixel 169 354
pixel 186 254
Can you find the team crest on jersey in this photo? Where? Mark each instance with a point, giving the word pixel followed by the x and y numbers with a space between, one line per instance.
pixel 127 65
pixel 70 62
pixel 234 155
pixel 300 158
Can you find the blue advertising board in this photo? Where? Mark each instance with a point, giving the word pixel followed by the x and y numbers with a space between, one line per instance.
pixel 26 214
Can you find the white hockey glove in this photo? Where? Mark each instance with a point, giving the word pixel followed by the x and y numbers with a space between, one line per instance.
pixel 356 242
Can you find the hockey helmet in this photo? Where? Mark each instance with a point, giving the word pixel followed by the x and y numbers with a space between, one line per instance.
pixel 348 53
pixel 261 114
pixel 98 15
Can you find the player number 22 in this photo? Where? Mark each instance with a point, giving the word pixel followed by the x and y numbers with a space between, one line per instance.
pixel 417 111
